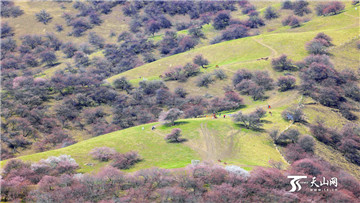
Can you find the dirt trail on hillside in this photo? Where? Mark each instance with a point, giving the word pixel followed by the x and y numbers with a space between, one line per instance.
pixel 351 15
pixel 273 53
pixel 299 105
pixel 212 147
pixel 356 24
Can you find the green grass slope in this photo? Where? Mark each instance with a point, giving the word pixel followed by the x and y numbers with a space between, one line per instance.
pixel 243 53
pixel 343 28
pixel 210 139
pixel 218 54
pixel 207 140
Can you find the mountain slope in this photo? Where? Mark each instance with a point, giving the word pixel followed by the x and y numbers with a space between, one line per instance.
pixel 210 139
pixel 243 53
pixel 207 140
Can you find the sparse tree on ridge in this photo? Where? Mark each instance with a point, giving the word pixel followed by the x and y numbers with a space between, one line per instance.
pixel 170 116
pixel 221 21
pixel 252 120
pixel 270 13
pixel 123 84
pixel 48 57
pixel 200 61
pixel 43 17
pixel 286 83
pixel 174 136
pixel 204 80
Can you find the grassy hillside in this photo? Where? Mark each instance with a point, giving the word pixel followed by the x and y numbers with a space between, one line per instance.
pixel 114 21
pixel 218 54
pixel 207 140
pixel 243 53
pixel 344 30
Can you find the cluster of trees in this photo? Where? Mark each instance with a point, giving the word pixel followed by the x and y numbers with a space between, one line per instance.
pixel 6 30
pixel 253 84
pixel 270 13
pixel 233 28
pixel 88 16
pixel 230 101
pixel 200 183
pixel 8 9
pixel 247 8
pixel 319 44
pixel 283 64
pixel 235 31
pixel 323 83
pixel 32 48
pixel 345 140
pixel 254 20
pixel 300 7
pixel 18 177
pixel 329 8
pixel 300 147
pixel 155 24
pixel 292 21
pixel 103 153
pixel 286 137
pixel 251 120
pixel 204 80
pixel 171 43
pixel 182 73
pixel 125 161
pixel 126 55
pixel 286 83
pixel 145 103
pixel 79 25
pixel 294 114
pixel 78 92
pixel 297 146
pixel 151 15
pixel 27 120
pixel 221 20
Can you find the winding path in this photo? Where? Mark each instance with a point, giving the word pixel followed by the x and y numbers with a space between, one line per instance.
pixel 351 15
pixel 273 54
pixel 273 51
pixel 300 105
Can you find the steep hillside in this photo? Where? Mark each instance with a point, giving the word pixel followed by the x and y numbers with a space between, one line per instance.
pixel 228 56
pixel 243 53
pixel 117 101
pixel 207 140
pixel 115 21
